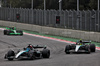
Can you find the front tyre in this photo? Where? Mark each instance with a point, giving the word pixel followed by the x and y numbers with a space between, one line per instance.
pixel 46 53
pixel 67 48
pixel 87 49
pixel 10 55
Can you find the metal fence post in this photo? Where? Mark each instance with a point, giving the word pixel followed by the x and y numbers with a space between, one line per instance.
pixel 64 19
pixel 98 20
pixel 44 17
pixel 78 20
pixel 72 20
pixel 95 20
pixel 90 20
pixel 68 19
pixel 98 14
pixel 85 19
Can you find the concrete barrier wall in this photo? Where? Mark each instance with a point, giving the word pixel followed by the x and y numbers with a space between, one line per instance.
pixel 93 36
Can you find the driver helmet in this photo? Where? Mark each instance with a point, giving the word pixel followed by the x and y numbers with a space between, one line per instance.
pixel 30 46
pixel 80 41
pixel 13 28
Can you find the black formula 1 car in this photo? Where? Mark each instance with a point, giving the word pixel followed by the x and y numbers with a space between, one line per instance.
pixel 84 46
pixel 12 31
pixel 31 52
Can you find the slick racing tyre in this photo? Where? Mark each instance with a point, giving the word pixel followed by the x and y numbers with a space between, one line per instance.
pixel 87 49
pixel 67 48
pixel 5 32
pixel 92 47
pixel 46 53
pixel 10 54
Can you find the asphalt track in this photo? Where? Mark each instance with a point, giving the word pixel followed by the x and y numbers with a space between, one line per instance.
pixel 57 58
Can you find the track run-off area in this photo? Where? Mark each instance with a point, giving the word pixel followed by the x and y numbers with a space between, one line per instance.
pixel 57 57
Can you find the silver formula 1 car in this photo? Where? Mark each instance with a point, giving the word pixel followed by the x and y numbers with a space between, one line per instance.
pixel 31 52
pixel 80 46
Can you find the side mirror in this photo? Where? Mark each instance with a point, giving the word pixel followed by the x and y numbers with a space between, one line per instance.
pixel 45 47
pixel 18 51
pixel 24 48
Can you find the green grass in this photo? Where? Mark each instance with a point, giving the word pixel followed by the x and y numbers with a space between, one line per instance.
pixel 58 37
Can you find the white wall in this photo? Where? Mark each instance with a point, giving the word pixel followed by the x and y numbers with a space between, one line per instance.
pixel 93 36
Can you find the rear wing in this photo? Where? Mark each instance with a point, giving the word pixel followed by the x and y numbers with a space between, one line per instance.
pixel 40 46
pixel 84 42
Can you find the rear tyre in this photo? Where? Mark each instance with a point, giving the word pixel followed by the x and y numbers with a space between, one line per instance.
pixel 67 48
pixel 46 53
pixel 10 54
pixel 5 32
pixel 92 47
